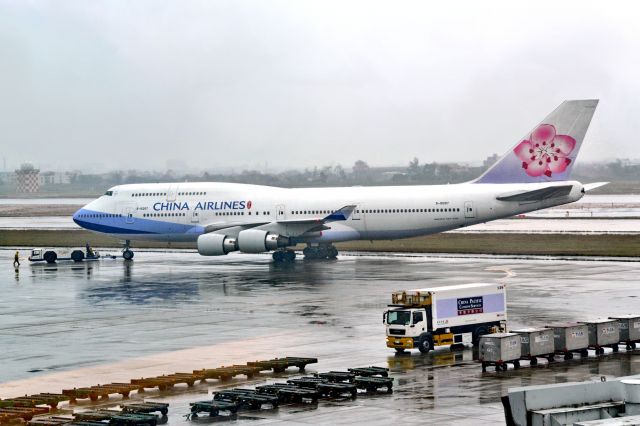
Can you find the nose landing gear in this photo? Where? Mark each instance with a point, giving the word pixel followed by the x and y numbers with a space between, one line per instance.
pixel 127 253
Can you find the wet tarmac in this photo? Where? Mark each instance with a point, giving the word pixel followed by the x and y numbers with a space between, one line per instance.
pixel 542 225
pixel 75 325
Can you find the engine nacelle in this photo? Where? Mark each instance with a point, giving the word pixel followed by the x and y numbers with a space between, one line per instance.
pixel 258 241
pixel 216 244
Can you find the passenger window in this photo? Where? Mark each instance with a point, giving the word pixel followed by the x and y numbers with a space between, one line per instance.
pixel 417 317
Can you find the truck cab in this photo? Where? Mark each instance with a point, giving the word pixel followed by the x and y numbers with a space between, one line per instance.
pixel 406 328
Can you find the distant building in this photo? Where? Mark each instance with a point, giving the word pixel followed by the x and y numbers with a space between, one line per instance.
pixel 490 160
pixel 54 178
pixel 27 179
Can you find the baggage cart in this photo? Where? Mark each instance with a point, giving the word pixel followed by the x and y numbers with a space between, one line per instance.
pixel 569 338
pixel 536 342
pixel 603 332
pixel 498 349
pixel 629 325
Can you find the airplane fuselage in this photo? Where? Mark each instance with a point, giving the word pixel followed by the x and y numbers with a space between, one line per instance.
pixel 184 211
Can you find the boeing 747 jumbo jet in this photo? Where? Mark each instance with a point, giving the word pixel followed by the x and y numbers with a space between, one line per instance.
pixel 224 217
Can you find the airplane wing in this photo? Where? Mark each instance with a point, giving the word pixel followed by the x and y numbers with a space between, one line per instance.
pixel 287 227
pixel 537 194
pixel 591 186
pixel 341 214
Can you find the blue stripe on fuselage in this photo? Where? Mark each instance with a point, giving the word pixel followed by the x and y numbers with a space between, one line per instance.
pixel 100 222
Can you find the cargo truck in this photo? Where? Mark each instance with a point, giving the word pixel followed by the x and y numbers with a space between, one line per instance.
pixel 437 316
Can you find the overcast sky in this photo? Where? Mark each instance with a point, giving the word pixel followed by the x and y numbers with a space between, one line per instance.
pixel 230 84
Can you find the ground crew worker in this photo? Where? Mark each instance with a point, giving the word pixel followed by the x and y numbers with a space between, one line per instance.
pixel 16 259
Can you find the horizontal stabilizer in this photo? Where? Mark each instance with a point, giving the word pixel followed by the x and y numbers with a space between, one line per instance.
pixel 538 194
pixel 591 186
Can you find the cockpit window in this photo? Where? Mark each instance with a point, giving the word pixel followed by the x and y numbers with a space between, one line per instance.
pixel 109 193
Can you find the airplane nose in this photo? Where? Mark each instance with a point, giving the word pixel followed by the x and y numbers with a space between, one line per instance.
pixel 76 217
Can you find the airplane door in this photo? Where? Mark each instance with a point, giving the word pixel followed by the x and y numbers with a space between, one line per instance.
pixel 195 216
pixel 171 193
pixel 128 211
pixel 281 212
pixel 356 214
pixel 469 211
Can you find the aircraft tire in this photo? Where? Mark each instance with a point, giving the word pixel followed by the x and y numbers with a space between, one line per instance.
pixel 127 255
pixel 289 256
pixel 50 256
pixel 77 256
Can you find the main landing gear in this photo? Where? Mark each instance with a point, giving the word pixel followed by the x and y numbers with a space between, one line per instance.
pixel 322 251
pixel 127 254
pixel 280 256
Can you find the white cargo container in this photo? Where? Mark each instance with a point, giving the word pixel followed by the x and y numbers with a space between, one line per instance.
pixel 499 348
pixel 445 315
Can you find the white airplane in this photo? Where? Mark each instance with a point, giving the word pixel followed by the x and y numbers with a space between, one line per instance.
pixel 224 217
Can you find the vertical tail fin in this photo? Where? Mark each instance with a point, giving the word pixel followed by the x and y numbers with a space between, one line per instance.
pixel 548 152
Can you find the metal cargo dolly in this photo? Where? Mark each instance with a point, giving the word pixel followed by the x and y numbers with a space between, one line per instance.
pixel 336 389
pixel 134 419
pixel 162 383
pixel 247 397
pixel 370 371
pixel 189 379
pixel 289 393
pixel 146 407
pixel 50 399
pixel 123 389
pixel 373 384
pixel 212 407
pixel 95 415
pixel 306 382
pixel 324 386
pixel 337 376
pixel 49 421
pixel 85 393
pixel 25 413
pixel 629 330
pixel 279 365
pixel 227 373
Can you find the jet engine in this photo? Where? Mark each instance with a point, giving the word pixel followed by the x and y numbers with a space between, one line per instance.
pixel 258 241
pixel 216 244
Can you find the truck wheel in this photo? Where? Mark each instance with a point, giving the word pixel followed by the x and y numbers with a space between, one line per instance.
pixel 424 345
pixel 50 256
pixel 77 256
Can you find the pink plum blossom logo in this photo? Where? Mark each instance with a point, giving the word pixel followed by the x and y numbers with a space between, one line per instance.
pixel 545 152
